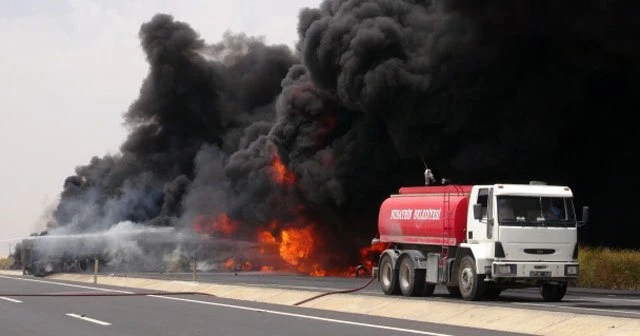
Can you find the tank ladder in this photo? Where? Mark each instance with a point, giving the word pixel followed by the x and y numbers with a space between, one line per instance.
pixel 447 226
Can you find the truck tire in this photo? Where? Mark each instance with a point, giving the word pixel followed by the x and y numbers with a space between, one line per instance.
pixel 411 280
pixel 454 291
pixel 388 277
pixel 471 284
pixel 553 292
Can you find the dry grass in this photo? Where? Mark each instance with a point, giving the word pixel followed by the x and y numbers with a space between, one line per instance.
pixel 609 268
pixel 6 263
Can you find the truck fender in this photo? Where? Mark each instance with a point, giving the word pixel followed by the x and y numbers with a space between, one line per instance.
pixel 393 254
pixel 480 252
pixel 419 259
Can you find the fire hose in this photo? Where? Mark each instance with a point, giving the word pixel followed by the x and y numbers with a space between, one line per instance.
pixel 343 291
pixel 81 294
pixel 111 294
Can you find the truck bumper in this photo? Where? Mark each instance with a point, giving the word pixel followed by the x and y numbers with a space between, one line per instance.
pixel 533 271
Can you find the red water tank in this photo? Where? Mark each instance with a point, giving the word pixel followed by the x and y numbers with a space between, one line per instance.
pixel 418 215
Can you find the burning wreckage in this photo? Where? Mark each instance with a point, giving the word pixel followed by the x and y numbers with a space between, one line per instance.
pixel 130 248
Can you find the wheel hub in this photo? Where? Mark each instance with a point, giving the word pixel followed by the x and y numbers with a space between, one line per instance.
pixel 404 277
pixel 466 279
pixel 386 275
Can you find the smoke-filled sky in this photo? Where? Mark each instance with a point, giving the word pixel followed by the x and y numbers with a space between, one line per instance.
pixel 70 70
pixel 321 130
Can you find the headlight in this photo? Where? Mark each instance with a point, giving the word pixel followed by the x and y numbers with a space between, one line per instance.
pixel 505 269
pixel 571 270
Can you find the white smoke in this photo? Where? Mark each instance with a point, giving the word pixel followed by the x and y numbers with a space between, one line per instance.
pixel 125 246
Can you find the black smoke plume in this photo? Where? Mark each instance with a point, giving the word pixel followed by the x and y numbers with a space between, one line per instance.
pixel 484 92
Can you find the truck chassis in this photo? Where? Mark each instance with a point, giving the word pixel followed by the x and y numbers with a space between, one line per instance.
pixel 415 270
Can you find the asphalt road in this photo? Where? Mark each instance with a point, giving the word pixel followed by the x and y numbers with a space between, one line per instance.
pixel 577 300
pixel 180 315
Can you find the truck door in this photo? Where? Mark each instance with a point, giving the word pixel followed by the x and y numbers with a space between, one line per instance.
pixel 482 229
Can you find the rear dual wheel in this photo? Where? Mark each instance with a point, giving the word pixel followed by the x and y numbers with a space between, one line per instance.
pixel 406 279
pixel 388 276
pixel 412 280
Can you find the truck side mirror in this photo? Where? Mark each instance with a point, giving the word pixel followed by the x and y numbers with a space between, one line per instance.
pixel 477 211
pixel 585 216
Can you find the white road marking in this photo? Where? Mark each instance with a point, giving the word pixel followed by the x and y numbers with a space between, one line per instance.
pixel 614 311
pixel 88 319
pixel 10 299
pixel 320 318
pixel 375 326
pixel 68 285
pixel 310 317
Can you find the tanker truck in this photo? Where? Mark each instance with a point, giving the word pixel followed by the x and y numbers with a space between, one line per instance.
pixel 478 240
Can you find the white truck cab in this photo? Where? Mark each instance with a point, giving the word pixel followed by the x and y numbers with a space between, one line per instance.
pixel 521 235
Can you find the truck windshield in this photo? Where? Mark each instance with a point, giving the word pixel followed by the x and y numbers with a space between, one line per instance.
pixel 536 211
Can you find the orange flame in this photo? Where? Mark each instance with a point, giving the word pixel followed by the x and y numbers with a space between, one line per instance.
pixel 265 239
pixel 246 266
pixel 368 254
pixel 318 273
pixel 296 245
pixel 221 226
pixel 231 264
pixel 281 174
pixel 296 248
pixel 293 247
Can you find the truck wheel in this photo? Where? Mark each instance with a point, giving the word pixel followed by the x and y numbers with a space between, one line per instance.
pixel 553 292
pixel 388 277
pixel 454 291
pixel 471 285
pixel 412 281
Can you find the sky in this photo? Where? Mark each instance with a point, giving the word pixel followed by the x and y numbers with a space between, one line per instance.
pixel 68 72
